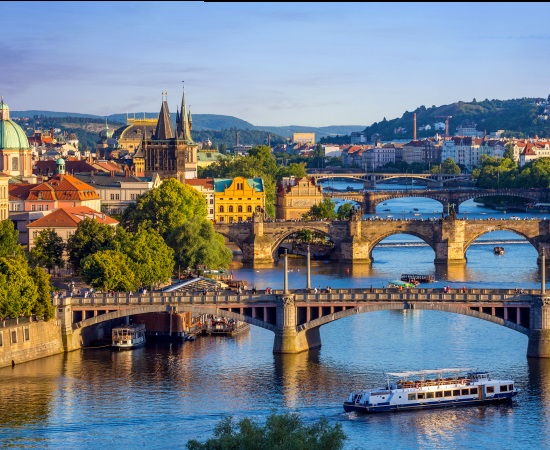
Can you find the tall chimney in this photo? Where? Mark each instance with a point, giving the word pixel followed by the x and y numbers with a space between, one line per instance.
pixel 414 128
pixel 237 139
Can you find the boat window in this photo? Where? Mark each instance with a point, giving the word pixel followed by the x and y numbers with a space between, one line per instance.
pixel 473 390
pixel 447 393
pixel 429 395
pixel 465 391
pixel 490 389
pixel 421 396
pixel 438 394
pixel 412 396
pixel 510 387
pixel 503 388
pixel 456 392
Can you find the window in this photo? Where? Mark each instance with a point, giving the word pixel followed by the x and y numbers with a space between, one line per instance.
pixel 221 209
pixel 14 336
pixel 26 334
pixel 1 339
pixel 456 392
pixel 211 211
pixel 490 389
pixel 211 201
pixel 249 209
pixel 421 396
pixel 239 209
pixel 412 396
pixel 510 387
pixel 465 392
pixel 429 395
pixel 439 394
pixel 503 388
pixel 446 393
pixel 230 209
pixel 14 164
pixel 473 391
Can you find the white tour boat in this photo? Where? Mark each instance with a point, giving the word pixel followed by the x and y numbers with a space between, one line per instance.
pixel 128 336
pixel 413 390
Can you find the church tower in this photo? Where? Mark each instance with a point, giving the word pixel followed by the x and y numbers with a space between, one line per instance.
pixel 15 151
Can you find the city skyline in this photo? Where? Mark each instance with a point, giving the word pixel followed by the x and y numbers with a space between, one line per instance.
pixel 271 64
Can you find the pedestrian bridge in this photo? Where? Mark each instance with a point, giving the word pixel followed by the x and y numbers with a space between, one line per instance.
pixel 296 316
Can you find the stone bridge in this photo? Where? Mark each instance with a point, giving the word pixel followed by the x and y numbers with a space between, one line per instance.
pixel 355 239
pixel 450 199
pixel 296 316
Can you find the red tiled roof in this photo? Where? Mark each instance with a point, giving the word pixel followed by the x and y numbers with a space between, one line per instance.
pixel 70 218
pixel 207 183
pixel 20 191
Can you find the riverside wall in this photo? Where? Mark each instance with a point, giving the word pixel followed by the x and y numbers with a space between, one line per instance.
pixel 27 339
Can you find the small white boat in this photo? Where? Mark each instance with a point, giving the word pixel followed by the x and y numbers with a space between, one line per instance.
pixel 413 391
pixel 126 337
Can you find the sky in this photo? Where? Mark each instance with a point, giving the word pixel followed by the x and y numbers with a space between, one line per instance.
pixel 271 64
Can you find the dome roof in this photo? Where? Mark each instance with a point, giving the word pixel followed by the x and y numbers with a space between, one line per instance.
pixel 60 161
pixel 12 135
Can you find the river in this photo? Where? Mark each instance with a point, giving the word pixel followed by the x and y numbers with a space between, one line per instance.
pixel 162 395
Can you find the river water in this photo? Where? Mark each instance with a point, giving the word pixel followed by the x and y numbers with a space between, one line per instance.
pixel 164 394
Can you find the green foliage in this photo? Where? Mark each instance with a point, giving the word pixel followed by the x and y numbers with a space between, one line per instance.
pixel 90 237
pixel 18 291
pixel 324 210
pixel 509 150
pixel 450 167
pixel 9 239
pixel 344 211
pixel 297 170
pixel 109 270
pixel 165 207
pixel 505 173
pixel 152 259
pixel 196 242
pixel 43 306
pixel 48 250
pixel 281 432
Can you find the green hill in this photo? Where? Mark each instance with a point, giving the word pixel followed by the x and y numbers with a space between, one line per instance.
pixel 517 117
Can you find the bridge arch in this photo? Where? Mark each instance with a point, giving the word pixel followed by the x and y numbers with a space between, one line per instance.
pixel 381 237
pixel 281 238
pixel 230 239
pixel 431 306
pixel 144 309
pixel 340 177
pixel 499 227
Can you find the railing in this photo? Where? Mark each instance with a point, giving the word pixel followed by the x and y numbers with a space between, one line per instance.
pixel 6 323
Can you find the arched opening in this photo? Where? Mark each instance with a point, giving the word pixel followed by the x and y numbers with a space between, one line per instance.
pixel 409 208
pixel 321 247
pixel 516 263
pixel 400 254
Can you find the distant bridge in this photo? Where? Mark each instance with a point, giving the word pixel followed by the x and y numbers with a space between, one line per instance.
pixel 449 198
pixel 370 180
pixel 296 316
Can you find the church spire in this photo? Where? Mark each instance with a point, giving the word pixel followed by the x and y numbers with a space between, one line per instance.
pixel 164 125
pixel 184 127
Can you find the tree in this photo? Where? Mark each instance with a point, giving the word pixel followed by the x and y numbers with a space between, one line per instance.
pixel 43 306
pixel 90 237
pixel 165 207
pixel 450 167
pixel 9 236
pixel 344 211
pixel 48 250
pixel 297 170
pixel 195 242
pixel 109 270
pixel 324 210
pixel 18 292
pixel 281 432
pixel 152 258
pixel 509 150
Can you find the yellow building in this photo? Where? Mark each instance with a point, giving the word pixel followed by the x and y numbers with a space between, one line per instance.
pixel 296 196
pixel 4 196
pixel 237 199
pixel 304 138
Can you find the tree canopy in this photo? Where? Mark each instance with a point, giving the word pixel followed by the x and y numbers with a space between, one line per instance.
pixel 9 239
pixel 109 270
pixel 165 207
pixel 281 432
pixel 48 250
pixel 324 210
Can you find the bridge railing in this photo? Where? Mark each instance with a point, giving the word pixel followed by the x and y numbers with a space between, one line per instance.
pixel 301 295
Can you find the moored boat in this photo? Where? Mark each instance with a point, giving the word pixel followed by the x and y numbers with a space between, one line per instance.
pixel 412 278
pixel 223 326
pixel 126 337
pixel 443 388
pixel 498 250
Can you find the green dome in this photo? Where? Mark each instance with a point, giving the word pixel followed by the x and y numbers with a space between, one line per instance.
pixel 12 135
pixel 60 161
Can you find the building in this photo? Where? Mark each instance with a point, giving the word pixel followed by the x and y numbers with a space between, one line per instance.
pixel 378 156
pixel 534 150
pixel 117 190
pixel 237 199
pixel 15 151
pixel 207 157
pixel 358 137
pixel 206 187
pixel 61 190
pixel 295 197
pixel 4 196
pixel 303 138
pixel 129 136
pixel 170 153
pixel 64 221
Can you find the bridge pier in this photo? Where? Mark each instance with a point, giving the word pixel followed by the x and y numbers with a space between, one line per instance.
pixel 539 329
pixel 287 338
pixel 450 248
